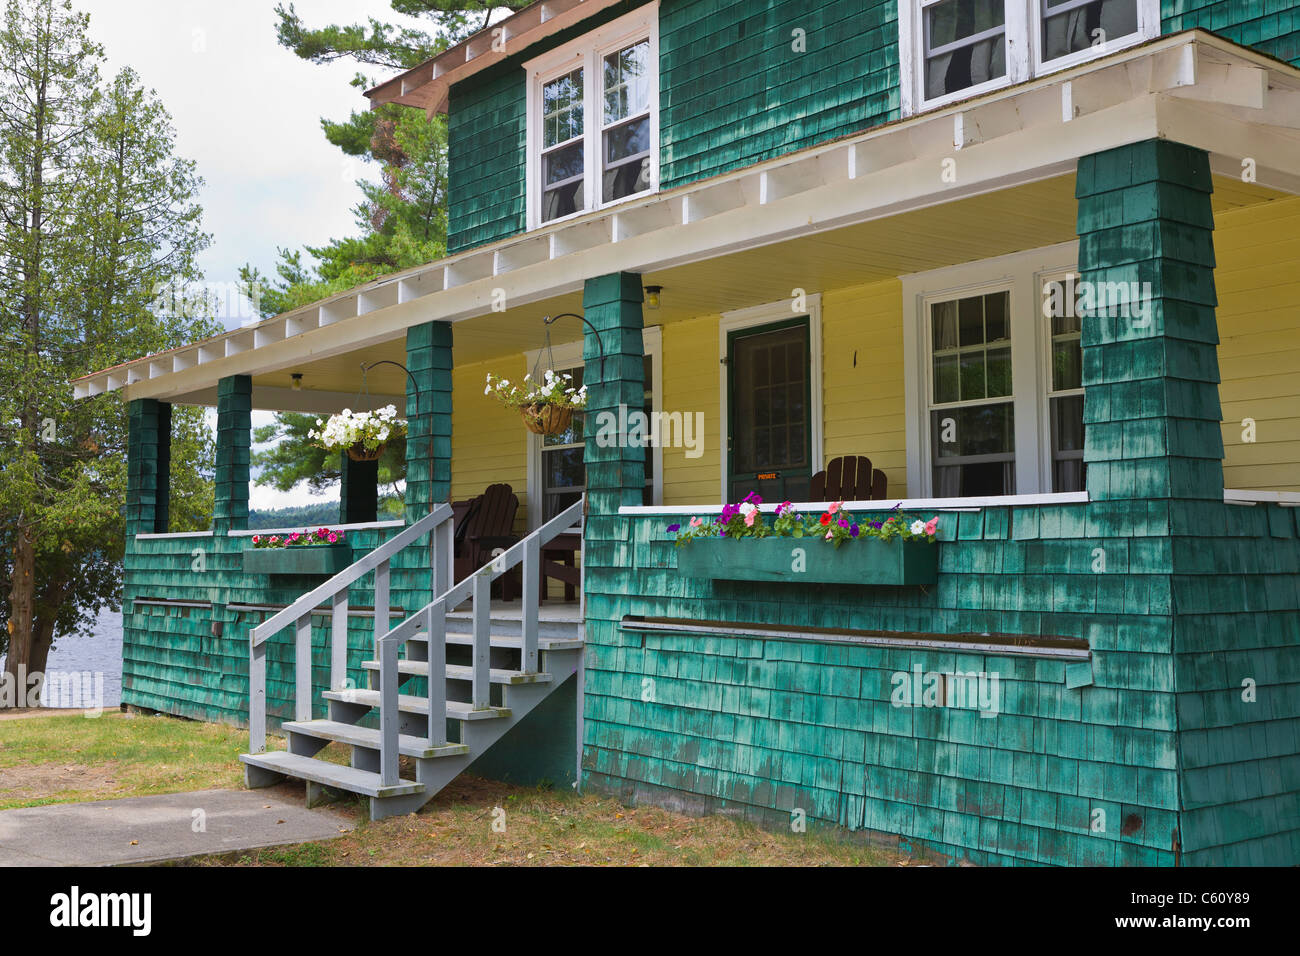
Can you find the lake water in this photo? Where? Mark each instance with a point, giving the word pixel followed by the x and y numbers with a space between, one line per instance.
pixel 88 659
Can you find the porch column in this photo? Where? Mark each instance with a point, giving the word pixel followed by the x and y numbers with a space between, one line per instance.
pixel 148 466
pixel 234 442
pixel 614 377
pixel 358 491
pixel 1150 366
pixel 428 433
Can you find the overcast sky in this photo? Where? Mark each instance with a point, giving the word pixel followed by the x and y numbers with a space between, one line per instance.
pixel 248 111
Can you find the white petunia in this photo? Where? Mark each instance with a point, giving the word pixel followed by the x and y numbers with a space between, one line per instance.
pixel 918 527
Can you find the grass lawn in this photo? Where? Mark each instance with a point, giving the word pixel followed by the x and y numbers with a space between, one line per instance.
pixel 472 822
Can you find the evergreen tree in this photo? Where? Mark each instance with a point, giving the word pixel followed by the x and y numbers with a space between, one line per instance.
pixel 96 216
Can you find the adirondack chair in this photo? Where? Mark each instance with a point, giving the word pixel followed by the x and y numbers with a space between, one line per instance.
pixel 484 524
pixel 849 479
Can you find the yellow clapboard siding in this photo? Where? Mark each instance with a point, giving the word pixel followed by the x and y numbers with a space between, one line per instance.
pixel 690 385
pixel 488 441
pixel 862 374
pixel 1257 250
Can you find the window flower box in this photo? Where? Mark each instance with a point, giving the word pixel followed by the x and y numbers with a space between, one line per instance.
pixel 319 559
pixel 867 562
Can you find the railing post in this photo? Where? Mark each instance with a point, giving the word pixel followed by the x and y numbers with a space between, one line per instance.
pixel 482 650
pixel 256 696
pixel 531 603
pixel 441 545
pixel 302 669
pixel 435 623
pixel 381 604
pixel 339 641
pixel 388 717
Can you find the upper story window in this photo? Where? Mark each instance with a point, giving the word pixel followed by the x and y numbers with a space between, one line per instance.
pixel 593 119
pixel 953 49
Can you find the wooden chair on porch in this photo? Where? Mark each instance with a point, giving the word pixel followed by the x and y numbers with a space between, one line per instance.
pixel 851 478
pixel 484 524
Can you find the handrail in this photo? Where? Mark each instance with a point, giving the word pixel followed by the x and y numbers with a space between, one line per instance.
pixel 433 616
pixel 350 574
pixel 335 590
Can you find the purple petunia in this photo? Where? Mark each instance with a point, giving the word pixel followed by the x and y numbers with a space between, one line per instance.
pixel 843 523
pixel 854 531
pixel 672 528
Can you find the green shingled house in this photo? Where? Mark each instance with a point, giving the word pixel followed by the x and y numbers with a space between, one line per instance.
pixel 822 230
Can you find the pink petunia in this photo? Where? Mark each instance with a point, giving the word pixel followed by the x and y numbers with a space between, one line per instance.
pixel 696 522
pixel 749 519
pixel 834 507
pixel 932 526
pixel 333 538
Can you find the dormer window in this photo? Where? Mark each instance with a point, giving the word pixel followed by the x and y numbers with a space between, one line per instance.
pixel 593 119
pixel 954 49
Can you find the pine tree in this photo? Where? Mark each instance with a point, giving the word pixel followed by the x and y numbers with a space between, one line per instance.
pixel 96 216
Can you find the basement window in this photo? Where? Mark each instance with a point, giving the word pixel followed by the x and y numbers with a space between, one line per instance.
pixel 593 119
pixel 955 49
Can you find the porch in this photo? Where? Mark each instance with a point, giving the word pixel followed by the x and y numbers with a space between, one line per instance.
pixel 1081 498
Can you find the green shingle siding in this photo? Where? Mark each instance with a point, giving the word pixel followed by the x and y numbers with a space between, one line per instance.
pixel 734 92
pixel 1270 26
pixel 234 448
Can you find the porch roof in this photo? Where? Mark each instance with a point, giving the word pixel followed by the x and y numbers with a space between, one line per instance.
pixel 863 206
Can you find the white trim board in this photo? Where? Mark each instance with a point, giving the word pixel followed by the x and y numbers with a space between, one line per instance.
pixel 905 504
pixel 768 314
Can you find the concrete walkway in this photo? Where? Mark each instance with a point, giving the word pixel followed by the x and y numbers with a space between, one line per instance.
pixel 167 827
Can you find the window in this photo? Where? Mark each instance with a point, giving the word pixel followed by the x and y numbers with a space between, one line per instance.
pixel 994 377
pixel 1065 384
pixel 953 49
pixel 972 416
pixel 593 119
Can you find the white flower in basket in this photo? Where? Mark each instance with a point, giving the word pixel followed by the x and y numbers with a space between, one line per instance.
pixel 547 406
pixel 362 435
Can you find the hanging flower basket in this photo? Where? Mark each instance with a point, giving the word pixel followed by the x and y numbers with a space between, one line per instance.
pixel 359 452
pixel 546 407
pixel 547 419
pixel 363 436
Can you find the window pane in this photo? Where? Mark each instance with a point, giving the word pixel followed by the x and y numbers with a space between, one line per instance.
pixel 1070 26
pixel 1067 423
pixel 999 373
pixel 943 316
pixel 965 44
pixel 1067 364
pixel 945 379
pixel 976 430
pixel 562 109
pixel 972 376
pixel 970 318
pixel 627 140
pixel 562 182
pixel 627 82
pixel 996 319
pixel 627 160
pixel 562 164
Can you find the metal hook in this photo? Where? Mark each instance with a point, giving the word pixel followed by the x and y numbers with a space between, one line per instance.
pixel 550 319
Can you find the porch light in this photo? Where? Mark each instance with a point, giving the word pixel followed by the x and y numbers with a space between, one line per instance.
pixel 652 295
pixel 297 381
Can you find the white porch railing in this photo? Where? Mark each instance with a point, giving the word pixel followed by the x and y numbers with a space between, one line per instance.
pixel 335 590
pixel 432 618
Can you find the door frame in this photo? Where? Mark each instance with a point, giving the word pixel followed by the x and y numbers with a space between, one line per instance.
pixel 769 314
pixel 569 355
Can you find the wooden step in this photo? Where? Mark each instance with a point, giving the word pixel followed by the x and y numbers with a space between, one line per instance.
pixel 512 641
pixel 462 672
pixel 329 774
pixel 456 709
pixel 356 736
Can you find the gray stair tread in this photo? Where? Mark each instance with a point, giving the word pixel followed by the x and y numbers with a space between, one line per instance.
pixel 456 709
pixel 369 737
pixel 463 672
pixel 330 774
pixel 498 640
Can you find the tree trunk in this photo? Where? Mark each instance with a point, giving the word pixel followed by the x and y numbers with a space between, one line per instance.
pixel 22 608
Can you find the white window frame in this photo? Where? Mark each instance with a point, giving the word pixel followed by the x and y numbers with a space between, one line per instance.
pixel 1023 274
pixel 1023 54
pixel 1046 357
pixel 766 314
pixel 587 52
pixel 569 355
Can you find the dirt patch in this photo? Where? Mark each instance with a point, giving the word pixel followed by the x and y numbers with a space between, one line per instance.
pixel 38 781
